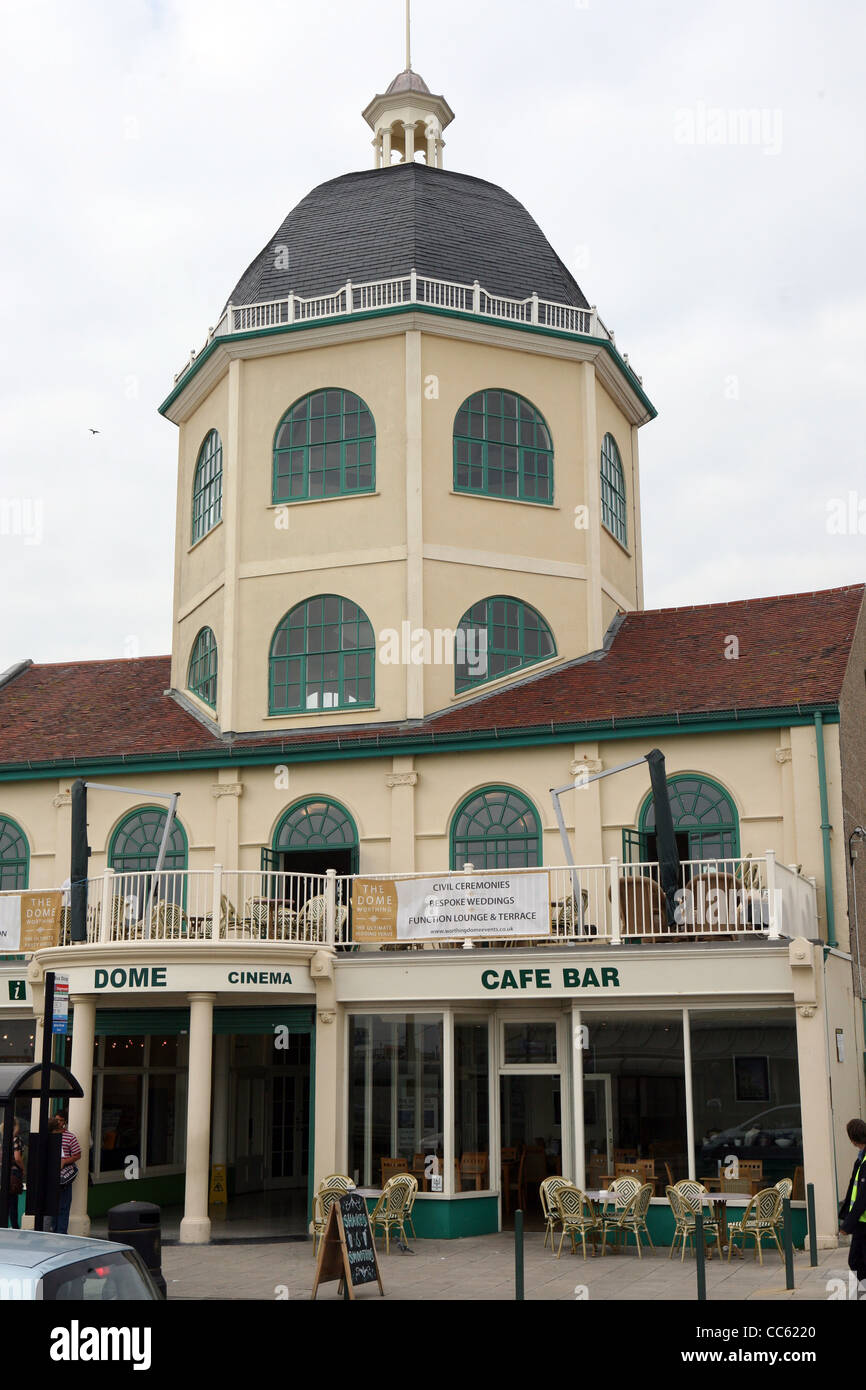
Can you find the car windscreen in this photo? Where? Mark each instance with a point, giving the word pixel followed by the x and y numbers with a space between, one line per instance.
pixel 115 1277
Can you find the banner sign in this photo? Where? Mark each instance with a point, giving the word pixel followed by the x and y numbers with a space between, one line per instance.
pixel 60 1021
pixel 29 921
pixel 488 905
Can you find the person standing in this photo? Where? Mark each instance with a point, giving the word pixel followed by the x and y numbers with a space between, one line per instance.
pixel 852 1213
pixel 16 1177
pixel 70 1152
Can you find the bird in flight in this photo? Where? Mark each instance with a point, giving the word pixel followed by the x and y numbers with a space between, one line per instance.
pixel 92 430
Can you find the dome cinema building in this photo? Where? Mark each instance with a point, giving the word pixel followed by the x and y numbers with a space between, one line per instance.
pixel 380 874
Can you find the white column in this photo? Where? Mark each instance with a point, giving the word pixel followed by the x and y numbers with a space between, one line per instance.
pixel 386 148
pixel 402 782
pixel 81 1066
pixel 409 135
pixel 195 1226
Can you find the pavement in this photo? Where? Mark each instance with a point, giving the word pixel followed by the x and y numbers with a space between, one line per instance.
pixel 482 1268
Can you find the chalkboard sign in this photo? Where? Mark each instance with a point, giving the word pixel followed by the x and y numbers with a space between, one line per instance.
pixel 347 1251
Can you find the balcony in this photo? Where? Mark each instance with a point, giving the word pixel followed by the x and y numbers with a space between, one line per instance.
pixel 609 904
pixel 405 292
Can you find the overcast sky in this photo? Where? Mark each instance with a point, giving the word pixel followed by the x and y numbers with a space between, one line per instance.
pixel 151 147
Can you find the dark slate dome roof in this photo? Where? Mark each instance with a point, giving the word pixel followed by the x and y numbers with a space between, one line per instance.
pixel 381 223
pixel 408 81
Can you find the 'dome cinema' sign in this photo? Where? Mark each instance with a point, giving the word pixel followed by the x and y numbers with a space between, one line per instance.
pixel 483 905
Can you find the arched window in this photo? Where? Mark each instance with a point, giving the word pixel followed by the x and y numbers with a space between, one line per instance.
pixel 134 849
pixel 705 822
pixel 496 828
pixel 502 448
pixel 322 657
pixel 318 823
pixel 202 678
pixel 613 506
pixel 498 635
pixel 207 489
pixel 14 855
pixel 325 446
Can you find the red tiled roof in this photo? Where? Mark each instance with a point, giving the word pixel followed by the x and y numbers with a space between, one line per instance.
pixel 665 662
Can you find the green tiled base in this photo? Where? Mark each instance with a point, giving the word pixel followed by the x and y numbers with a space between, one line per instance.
pixel 444 1220
pixel 166 1191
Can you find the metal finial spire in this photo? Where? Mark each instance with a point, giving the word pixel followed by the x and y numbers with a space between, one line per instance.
pixel 408 27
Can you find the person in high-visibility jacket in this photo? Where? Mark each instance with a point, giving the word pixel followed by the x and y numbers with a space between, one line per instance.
pixel 852 1213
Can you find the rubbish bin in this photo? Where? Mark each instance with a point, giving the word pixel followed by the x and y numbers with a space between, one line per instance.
pixel 138 1224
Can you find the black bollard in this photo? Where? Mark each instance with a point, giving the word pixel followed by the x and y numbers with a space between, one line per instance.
pixel 813 1234
pixel 787 1243
pixel 700 1256
pixel 518 1256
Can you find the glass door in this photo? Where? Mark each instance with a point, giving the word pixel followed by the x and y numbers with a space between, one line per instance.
pixel 597 1128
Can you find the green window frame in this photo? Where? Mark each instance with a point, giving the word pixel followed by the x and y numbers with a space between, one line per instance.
pixel 317 822
pixel 503 448
pixel 322 657
pixel 496 637
pixel 614 508
pixel 202 677
pixel 496 827
pixel 324 446
pixel 135 845
pixel 701 809
pixel 14 855
pixel 207 488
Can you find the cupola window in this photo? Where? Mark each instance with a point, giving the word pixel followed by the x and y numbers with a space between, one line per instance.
pixel 322 657
pixel 497 636
pixel 502 448
pixel 207 491
pixel 325 446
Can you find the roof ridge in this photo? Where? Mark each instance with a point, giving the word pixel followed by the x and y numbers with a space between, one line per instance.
pixel 751 602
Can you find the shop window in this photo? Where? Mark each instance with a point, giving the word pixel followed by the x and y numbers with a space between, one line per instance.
pixel 139 1099
pixel 635 1097
pixel 17 1040
pixel 502 448
pixel 613 504
pixel 207 490
pixel 14 855
pixel 472 1105
pixel 746 1090
pixel 497 828
pixel 120 1128
pixel 322 657
pixel 325 446
pixel 496 637
pixel 396 1119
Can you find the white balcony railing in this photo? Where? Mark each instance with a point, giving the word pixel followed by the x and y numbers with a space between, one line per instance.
pixel 607 903
pixel 405 290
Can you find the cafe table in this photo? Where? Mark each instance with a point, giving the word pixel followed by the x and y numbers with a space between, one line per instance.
pixel 719 1203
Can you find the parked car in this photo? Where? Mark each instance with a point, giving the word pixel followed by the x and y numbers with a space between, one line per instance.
pixel 774 1135
pixel 42 1265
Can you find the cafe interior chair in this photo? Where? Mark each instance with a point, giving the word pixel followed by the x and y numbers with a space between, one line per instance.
pixel 761 1218
pixel 515 1181
pixel 630 1218
pixel 799 1192
pixel 625 1155
pixel 391 1166
pixel 785 1186
pixel 535 1168
pixel 751 1168
pixel 741 1184
pixel 577 1216
pixel 394 1208
pixel 669 1172
pixel 472 1169
pixel 642 906
pixel 547 1192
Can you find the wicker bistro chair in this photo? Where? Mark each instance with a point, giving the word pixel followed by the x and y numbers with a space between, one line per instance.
pixel 632 1217
pixel 761 1218
pixel 228 918
pixel 311 919
pixel 547 1192
pixel 168 921
pixel 785 1186
pixel 685 1202
pixel 394 1207
pixel 577 1215
pixel 330 1189
pixel 254 923
pixel 642 906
